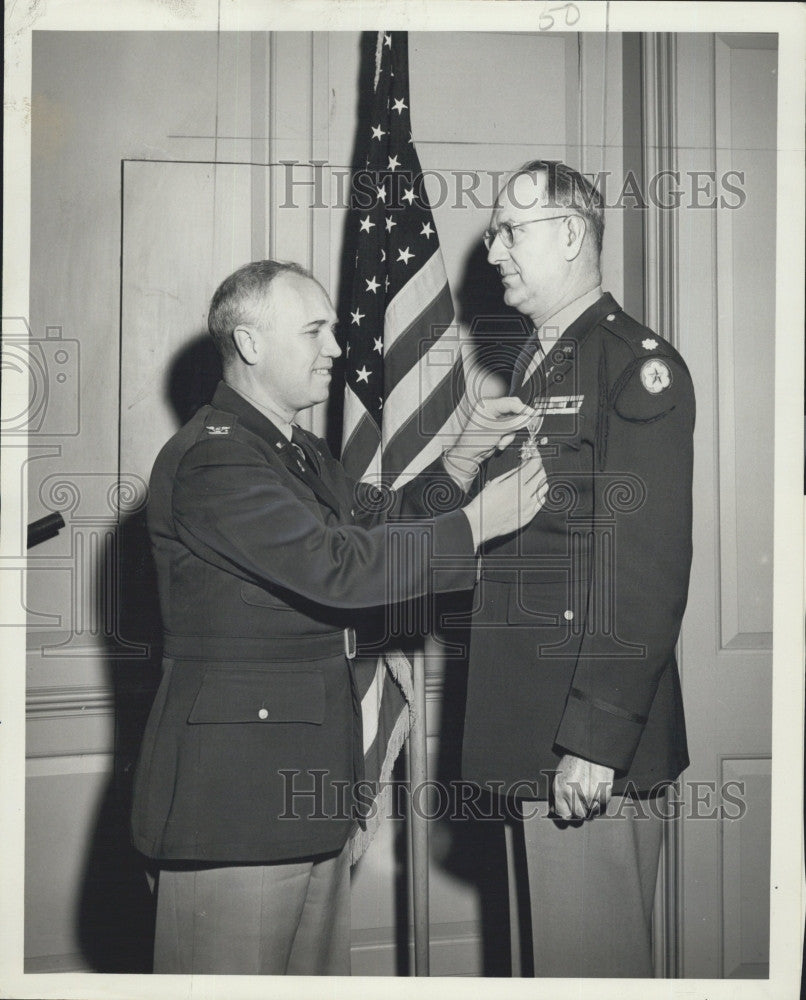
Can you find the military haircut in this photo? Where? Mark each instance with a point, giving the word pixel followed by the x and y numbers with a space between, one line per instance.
pixel 567 188
pixel 240 298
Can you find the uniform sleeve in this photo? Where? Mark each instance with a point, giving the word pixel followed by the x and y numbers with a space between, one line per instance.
pixel 431 493
pixel 234 510
pixel 639 579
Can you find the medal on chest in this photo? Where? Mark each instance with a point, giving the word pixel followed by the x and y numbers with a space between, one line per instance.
pixel 529 447
pixel 562 359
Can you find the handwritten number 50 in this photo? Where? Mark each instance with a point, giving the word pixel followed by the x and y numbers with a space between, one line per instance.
pixel 572 15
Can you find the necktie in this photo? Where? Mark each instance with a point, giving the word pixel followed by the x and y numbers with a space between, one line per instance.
pixel 304 449
pixel 535 362
pixel 528 361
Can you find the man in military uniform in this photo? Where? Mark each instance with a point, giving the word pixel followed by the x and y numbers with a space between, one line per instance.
pixel 573 694
pixel 265 551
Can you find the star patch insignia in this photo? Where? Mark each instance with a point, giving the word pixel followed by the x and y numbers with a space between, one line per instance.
pixel 649 344
pixel 655 376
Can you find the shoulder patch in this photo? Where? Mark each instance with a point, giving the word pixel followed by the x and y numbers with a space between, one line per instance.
pixel 656 376
pixel 649 388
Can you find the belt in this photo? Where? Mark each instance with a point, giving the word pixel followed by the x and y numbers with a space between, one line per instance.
pixel 524 571
pixel 275 647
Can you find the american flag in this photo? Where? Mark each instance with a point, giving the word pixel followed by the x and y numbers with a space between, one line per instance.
pixel 404 377
pixel 404 373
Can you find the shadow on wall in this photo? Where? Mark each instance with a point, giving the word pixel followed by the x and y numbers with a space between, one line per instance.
pixel 192 378
pixel 496 332
pixel 117 907
pixel 116 910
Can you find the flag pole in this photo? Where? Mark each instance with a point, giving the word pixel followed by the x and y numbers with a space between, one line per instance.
pixel 401 316
pixel 418 824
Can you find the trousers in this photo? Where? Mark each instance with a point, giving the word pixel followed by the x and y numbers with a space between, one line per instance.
pixel 278 919
pixel 592 889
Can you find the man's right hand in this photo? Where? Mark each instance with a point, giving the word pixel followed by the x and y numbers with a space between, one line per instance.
pixel 508 502
pixel 491 424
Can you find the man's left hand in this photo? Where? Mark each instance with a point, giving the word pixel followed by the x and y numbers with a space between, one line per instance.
pixel 581 788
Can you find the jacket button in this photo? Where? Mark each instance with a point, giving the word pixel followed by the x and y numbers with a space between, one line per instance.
pixel 544 440
pixel 611 317
pixel 263 713
pixel 568 615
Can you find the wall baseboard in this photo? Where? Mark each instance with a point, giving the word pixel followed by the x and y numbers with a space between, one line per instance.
pixel 74 962
pixel 455 951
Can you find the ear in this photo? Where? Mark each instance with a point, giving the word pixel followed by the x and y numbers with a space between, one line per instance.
pixel 573 236
pixel 245 344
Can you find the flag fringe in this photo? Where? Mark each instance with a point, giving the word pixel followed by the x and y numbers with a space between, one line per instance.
pixel 361 839
pixel 400 669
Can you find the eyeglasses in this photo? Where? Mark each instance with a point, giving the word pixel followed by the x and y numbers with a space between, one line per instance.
pixel 507 231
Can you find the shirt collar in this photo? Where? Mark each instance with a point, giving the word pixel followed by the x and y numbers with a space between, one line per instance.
pixel 550 332
pixel 555 326
pixel 268 411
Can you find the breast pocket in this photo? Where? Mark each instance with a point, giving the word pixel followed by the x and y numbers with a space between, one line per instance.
pixel 232 695
pixel 561 441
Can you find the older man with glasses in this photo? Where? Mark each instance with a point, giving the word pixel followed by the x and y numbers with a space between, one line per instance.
pixel 574 712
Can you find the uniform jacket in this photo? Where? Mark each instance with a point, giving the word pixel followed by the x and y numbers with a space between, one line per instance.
pixel 261 564
pixel 573 639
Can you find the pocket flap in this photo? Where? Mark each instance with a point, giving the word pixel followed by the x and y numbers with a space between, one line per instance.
pixel 259 597
pixel 562 429
pixel 538 600
pixel 233 695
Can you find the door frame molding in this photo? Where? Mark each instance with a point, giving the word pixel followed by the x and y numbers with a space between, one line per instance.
pixel 661 297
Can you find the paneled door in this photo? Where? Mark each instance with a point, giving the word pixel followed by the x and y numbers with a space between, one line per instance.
pixel 723 286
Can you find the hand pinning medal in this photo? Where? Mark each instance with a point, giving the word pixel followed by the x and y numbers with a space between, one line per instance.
pixel 529 447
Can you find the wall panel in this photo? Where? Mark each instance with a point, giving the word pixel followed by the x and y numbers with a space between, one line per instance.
pixel 745 90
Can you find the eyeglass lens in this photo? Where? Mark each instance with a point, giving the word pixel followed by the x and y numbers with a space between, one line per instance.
pixel 504 231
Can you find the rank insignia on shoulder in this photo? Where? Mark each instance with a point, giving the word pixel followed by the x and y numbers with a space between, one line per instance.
pixel 655 376
pixel 649 344
pixel 218 429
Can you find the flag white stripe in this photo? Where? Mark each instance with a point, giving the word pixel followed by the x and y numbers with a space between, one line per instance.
pixel 423 286
pixel 371 704
pixel 433 449
pixel 374 472
pixel 417 384
pixel 444 436
pixel 354 410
